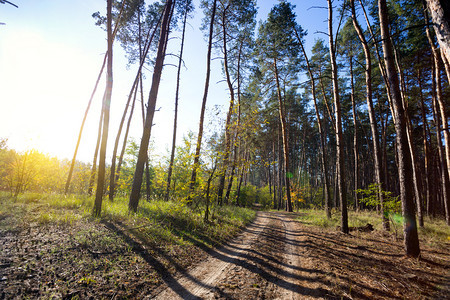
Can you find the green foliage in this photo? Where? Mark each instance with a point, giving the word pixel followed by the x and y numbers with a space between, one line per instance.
pixel 33 171
pixel 248 195
pixel 370 197
pixel 276 35
pixel 251 194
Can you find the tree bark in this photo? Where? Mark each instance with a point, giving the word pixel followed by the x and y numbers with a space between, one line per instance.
pixel 175 117
pixel 106 108
pixel 321 133
pixel 442 29
pixel 285 137
pixel 114 175
pixel 416 181
pixel 238 124
pixel 437 101
pixel 97 146
pixel 227 150
pixel 142 157
pixel 125 137
pixel 440 15
pixel 426 151
pixel 339 136
pixel 372 119
pixel 411 240
pixel 444 177
pixel 355 135
pixel 69 177
pixel 196 164
pixel 72 165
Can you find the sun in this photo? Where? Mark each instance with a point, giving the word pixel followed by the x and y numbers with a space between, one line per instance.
pixel 44 88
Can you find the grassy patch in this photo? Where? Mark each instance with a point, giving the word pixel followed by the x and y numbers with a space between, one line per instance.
pixel 435 231
pixel 155 222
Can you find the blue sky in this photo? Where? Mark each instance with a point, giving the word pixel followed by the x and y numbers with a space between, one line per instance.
pixel 50 56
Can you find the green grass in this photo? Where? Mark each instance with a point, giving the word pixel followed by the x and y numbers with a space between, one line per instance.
pixel 155 221
pixel 434 232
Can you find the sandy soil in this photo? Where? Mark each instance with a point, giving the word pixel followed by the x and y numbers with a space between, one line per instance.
pixel 277 257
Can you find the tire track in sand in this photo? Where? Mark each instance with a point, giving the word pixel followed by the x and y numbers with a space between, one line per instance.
pixel 199 283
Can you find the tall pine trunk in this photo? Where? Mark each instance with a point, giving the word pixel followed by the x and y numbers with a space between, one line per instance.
pixel 416 180
pixel 355 135
pixel 426 151
pixel 175 117
pixel 227 150
pixel 142 156
pixel 285 139
pixel 69 177
pixel 326 184
pixel 196 164
pixel 72 165
pixel 97 147
pixel 106 108
pixel 411 240
pixel 238 124
pixel 442 30
pixel 373 122
pixel 125 137
pixel 440 10
pixel 339 136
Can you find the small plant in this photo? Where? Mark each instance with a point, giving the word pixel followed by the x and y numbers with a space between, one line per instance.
pixel 370 198
pixel 87 280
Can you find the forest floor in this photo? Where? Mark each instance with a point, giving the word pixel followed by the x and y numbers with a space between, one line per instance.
pixel 275 257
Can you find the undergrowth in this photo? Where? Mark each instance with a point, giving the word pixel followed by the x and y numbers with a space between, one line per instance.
pixel 155 222
pixel 435 231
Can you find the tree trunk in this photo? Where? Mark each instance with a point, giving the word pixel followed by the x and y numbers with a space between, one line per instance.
pixel 426 151
pixel 113 172
pixel 97 147
pixel 355 135
pixel 227 150
pixel 411 240
pixel 125 137
pixel 142 157
pixel 241 178
pixel 372 119
pixel 202 112
pixel 325 101
pixel 417 187
pixel 339 136
pixel 321 133
pixel 442 29
pixel 72 165
pixel 445 191
pixel 379 60
pixel 69 177
pixel 208 186
pixel 440 10
pixel 175 118
pixel 285 139
pixel 106 108
pixel 373 122
pixel 136 84
pixel 238 124
pixel 437 101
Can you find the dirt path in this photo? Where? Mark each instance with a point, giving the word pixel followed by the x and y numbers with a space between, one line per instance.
pixel 275 257
pixel 278 257
pixel 264 262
